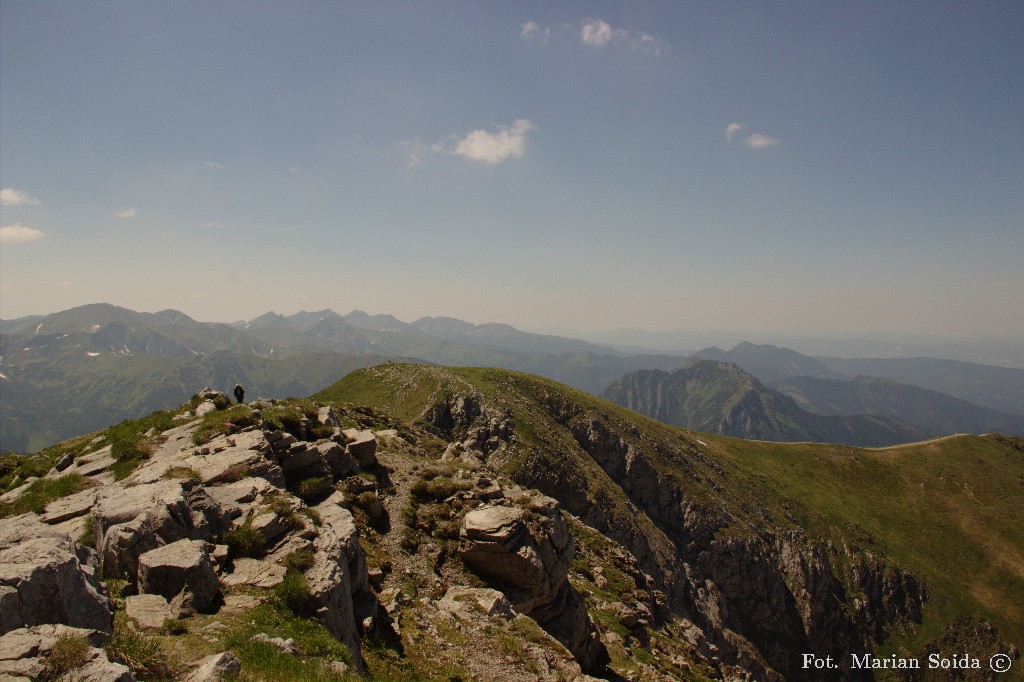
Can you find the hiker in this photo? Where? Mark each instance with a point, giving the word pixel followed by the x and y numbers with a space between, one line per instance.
pixel 239 393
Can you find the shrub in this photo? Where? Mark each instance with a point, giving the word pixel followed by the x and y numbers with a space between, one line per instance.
pixel 88 536
pixel 69 652
pixel 227 422
pixel 299 561
pixel 293 593
pixel 187 473
pixel 244 541
pixel 437 489
pixel 140 652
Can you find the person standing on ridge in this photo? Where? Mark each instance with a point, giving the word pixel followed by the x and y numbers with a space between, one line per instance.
pixel 239 393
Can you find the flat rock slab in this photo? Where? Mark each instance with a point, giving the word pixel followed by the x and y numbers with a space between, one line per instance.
pixel 254 572
pixel 148 610
pixel 493 524
pixel 70 507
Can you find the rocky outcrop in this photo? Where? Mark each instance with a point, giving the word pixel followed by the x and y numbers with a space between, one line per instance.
pixel 180 567
pixel 338 576
pixel 130 521
pixel 527 552
pixel 45 577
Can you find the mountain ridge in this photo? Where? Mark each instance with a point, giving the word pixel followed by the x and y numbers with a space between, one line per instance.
pixel 719 397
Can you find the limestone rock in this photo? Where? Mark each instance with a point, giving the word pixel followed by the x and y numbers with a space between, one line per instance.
pixel 70 507
pixel 214 667
pixel 128 522
pixel 148 610
pixel 530 564
pixel 23 654
pixel 45 577
pixel 180 566
pixel 338 572
pixel 362 445
pixel 285 645
pixel 328 417
pixel 254 572
pixel 491 602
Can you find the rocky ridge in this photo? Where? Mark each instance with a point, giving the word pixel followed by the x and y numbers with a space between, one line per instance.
pixel 507 530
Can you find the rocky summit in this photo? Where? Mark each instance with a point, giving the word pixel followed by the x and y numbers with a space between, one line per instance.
pixel 414 522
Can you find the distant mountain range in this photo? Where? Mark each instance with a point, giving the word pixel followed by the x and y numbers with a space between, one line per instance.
pixel 88 367
pixel 719 397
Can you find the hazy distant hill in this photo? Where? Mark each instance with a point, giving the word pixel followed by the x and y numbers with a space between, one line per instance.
pixel 936 413
pixel 719 397
pixel 997 388
pixel 72 371
pixel 769 363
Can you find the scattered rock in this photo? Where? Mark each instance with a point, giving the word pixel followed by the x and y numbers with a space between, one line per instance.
pixel 213 668
pixel 285 645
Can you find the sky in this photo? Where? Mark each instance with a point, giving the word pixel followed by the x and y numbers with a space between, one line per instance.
pixel 824 167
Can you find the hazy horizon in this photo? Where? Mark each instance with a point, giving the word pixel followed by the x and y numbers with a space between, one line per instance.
pixel 797 168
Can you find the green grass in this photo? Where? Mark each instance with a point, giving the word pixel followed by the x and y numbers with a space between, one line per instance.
pixel 228 421
pixel 42 492
pixel 315 643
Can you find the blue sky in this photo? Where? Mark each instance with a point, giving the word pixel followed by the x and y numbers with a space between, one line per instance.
pixel 810 167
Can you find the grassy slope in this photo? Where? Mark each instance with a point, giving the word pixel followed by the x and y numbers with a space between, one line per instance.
pixel 948 510
pixel 951 511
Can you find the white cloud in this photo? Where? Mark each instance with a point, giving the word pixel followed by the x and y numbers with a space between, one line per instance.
pixel 213 165
pixel 732 129
pixel 16 197
pixel 594 32
pixel 64 284
pixel 19 234
pixel 126 213
pixel 480 145
pixel 760 141
pixel 599 32
pixel 533 32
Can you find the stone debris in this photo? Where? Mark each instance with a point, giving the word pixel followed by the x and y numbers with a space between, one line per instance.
pixel 214 668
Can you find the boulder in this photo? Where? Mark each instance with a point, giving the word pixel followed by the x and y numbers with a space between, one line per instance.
pixel 328 417
pixel 148 610
pixel 180 566
pixel 45 577
pixel 362 445
pixel 338 459
pixel 254 572
pixel 490 602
